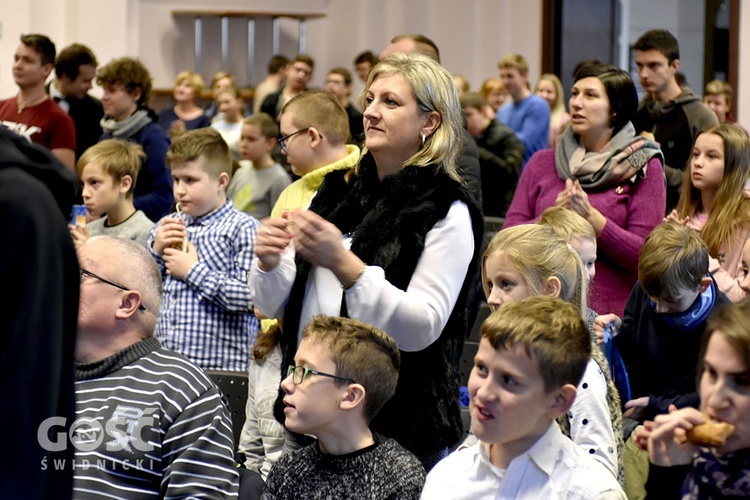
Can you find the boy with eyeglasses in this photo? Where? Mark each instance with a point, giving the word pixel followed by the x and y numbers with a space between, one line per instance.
pixel 314 129
pixel 345 372
pixel 207 313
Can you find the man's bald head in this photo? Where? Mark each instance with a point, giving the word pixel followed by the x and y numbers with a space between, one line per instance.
pixel 412 44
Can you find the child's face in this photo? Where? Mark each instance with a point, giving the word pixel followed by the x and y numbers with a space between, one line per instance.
pixel 100 191
pixel 719 105
pixel 231 106
pixel 505 283
pixel 744 276
pixel 220 86
pixel 118 102
pixel 586 250
pixel 312 407
pixel 254 146
pixel 299 152
pixel 707 163
pixel 509 406
pixel 495 99
pixel 197 192
pixel 674 304
pixel 476 121
pixel 725 391
pixel 546 90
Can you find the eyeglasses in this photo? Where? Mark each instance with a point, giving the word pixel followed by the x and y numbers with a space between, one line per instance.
pixel 298 374
pixel 283 140
pixel 84 272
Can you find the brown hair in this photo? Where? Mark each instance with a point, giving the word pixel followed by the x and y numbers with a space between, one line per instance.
pixel 516 61
pixel 551 331
pixel 265 123
pixel 205 143
pixel 319 109
pixel 731 209
pixel 117 157
pixel 131 73
pixel 362 353
pixel 673 258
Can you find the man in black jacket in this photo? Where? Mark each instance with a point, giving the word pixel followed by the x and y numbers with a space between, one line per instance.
pixel 39 273
pixel 75 69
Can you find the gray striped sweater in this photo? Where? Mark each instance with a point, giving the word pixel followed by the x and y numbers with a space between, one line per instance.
pixel 150 424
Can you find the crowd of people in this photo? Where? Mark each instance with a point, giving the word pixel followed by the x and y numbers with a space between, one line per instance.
pixel 334 251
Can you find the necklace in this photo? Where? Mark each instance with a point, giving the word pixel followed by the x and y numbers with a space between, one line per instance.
pixel 33 102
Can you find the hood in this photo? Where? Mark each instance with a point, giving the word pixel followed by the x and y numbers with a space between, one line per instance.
pixel 39 162
pixel 657 109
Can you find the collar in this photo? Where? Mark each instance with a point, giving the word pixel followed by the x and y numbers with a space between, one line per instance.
pixel 544 453
pixel 110 364
pixel 54 92
pixel 206 219
pixel 315 178
pixel 696 313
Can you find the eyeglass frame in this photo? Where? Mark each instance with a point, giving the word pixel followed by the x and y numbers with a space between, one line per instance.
pixel 292 371
pixel 283 140
pixel 84 272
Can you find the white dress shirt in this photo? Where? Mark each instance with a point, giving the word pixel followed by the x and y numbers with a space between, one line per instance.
pixel 553 468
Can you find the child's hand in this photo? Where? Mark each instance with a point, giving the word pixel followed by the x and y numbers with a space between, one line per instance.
pixel 80 235
pixel 171 231
pixel 272 238
pixel 674 217
pixel 635 408
pixel 643 432
pixel 178 263
pixel 663 446
pixel 606 327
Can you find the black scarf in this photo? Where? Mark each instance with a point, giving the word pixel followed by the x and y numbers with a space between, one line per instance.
pixel 388 220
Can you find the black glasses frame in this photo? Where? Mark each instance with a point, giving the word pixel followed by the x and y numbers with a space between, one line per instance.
pixel 282 140
pixel 297 379
pixel 85 272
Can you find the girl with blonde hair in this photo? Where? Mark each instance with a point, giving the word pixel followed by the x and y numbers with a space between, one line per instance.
pixel 529 260
pixel 715 201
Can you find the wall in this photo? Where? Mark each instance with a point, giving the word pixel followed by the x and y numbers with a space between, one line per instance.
pixel 472 34
pixel 685 20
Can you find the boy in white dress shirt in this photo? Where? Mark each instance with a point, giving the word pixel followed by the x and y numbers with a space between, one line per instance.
pixel 532 356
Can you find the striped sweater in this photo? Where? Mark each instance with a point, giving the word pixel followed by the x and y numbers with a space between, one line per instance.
pixel 150 424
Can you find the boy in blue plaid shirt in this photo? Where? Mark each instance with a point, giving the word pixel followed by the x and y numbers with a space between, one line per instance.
pixel 204 254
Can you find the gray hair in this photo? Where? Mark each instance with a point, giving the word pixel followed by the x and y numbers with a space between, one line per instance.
pixel 137 269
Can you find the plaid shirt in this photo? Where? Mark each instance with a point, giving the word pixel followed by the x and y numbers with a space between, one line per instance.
pixel 208 317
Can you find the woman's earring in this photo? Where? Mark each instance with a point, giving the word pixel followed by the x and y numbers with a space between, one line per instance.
pixel 423 139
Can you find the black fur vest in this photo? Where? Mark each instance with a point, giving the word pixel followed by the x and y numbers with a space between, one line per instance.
pixel 389 220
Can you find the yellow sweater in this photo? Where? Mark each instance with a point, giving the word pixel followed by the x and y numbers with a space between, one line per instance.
pixel 299 193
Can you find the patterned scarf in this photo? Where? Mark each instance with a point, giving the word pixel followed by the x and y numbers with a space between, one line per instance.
pixel 624 158
pixel 127 127
pixel 715 477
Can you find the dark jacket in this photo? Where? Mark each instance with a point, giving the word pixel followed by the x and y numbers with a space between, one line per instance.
pixel 38 316
pixel 501 155
pixel 86 113
pixel 661 359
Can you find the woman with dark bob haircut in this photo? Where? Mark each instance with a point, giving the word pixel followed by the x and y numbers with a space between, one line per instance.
pixel 601 170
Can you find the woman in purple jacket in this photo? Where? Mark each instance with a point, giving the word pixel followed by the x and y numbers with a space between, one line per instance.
pixel 604 172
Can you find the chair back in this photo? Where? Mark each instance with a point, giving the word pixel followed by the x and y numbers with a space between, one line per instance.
pixel 234 387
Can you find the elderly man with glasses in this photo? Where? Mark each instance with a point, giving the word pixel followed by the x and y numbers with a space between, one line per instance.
pixel 148 422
